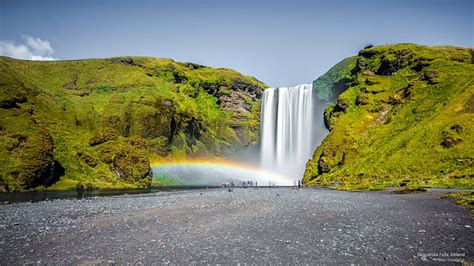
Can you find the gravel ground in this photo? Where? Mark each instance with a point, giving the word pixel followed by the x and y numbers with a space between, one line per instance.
pixel 264 225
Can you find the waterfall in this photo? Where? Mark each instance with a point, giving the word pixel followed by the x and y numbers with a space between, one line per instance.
pixel 286 126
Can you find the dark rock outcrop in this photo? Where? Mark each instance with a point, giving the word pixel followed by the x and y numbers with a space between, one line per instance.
pixel 341 105
pixel 12 102
pixel 128 61
pixel 324 166
pixel 360 64
pixel 452 136
pixel 368 53
pixel 430 77
pixel 389 67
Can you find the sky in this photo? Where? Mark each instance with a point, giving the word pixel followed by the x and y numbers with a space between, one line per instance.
pixel 282 43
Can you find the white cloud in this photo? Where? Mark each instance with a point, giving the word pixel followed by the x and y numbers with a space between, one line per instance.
pixel 31 49
pixel 39 46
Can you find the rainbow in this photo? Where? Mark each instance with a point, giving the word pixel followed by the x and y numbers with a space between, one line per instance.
pixel 236 170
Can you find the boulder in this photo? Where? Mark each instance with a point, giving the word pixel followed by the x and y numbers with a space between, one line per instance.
pixel 128 159
pixel 35 165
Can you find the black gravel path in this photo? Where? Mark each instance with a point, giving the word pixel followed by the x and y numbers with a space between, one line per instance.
pixel 265 225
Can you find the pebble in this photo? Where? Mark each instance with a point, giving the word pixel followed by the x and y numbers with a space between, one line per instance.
pixel 216 227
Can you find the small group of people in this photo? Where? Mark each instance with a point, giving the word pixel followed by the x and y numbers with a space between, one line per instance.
pixel 244 184
pixel 231 184
pixel 252 184
pixel 84 192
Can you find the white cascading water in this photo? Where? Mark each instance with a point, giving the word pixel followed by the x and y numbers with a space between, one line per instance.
pixel 286 130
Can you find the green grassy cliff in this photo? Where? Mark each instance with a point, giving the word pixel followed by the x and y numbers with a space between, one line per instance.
pixel 100 121
pixel 335 81
pixel 407 114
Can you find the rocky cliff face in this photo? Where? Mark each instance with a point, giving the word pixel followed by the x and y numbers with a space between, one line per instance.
pixel 100 120
pixel 406 115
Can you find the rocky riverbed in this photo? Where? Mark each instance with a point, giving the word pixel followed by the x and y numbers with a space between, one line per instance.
pixel 264 225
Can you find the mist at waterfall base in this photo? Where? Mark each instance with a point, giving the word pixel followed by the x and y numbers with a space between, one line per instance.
pixel 291 127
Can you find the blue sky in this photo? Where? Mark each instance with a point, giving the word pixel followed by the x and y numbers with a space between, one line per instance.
pixel 280 42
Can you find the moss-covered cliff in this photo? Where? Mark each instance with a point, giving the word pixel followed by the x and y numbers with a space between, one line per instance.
pixel 99 121
pixel 407 114
pixel 335 81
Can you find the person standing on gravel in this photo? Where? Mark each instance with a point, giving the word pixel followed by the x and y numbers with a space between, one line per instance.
pixel 80 191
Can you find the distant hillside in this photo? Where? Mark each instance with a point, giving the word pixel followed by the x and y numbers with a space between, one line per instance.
pixel 407 114
pixel 99 121
pixel 335 81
